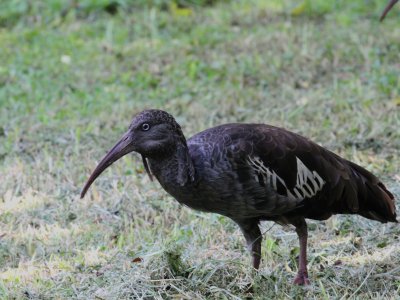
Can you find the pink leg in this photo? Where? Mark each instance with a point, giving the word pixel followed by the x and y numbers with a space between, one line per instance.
pixel 302 274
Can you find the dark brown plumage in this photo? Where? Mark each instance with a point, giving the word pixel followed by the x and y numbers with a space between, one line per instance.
pixel 251 173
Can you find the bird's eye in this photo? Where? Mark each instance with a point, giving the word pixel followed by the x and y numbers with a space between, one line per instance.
pixel 145 126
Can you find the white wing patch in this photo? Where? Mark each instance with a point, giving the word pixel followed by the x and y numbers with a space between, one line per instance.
pixel 308 183
pixel 270 176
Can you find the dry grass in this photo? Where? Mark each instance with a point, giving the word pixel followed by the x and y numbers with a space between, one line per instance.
pixel 69 88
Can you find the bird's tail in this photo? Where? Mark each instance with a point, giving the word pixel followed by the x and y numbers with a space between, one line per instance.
pixel 375 201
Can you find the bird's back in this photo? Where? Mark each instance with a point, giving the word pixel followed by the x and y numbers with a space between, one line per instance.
pixel 269 172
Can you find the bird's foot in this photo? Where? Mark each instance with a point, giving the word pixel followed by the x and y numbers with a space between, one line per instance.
pixel 249 288
pixel 302 278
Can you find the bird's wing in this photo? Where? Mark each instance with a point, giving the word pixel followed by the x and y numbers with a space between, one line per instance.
pixel 289 174
pixel 302 173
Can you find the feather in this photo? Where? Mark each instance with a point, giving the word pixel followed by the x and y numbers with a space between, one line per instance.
pixel 146 167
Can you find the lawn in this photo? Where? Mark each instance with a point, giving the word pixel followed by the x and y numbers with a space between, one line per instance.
pixel 71 79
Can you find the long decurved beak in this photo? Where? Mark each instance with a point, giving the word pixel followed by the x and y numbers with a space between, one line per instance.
pixel 121 148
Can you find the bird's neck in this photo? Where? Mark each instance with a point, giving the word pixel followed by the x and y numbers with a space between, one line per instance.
pixel 175 169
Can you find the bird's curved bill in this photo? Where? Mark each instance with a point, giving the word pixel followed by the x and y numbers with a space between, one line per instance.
pixel 121 148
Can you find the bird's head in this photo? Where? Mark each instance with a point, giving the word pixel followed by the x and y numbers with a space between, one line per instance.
pixel 153 133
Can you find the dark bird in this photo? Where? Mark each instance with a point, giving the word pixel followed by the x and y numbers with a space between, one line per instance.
pixel 251 173
pixel 388 7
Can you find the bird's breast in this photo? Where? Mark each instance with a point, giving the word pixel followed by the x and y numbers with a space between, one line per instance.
pixel 220 189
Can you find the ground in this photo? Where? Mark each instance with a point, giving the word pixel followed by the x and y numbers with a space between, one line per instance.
pixel 72 79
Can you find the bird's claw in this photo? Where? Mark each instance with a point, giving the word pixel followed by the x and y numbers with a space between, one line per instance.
pixel 302 278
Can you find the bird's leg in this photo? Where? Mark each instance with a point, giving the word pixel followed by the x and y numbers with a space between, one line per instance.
pixel 301 230
pixel 253 237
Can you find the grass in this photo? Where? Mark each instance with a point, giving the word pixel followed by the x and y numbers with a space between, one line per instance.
pixel 69 85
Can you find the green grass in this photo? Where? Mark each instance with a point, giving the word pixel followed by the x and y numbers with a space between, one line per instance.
pixel 69 85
